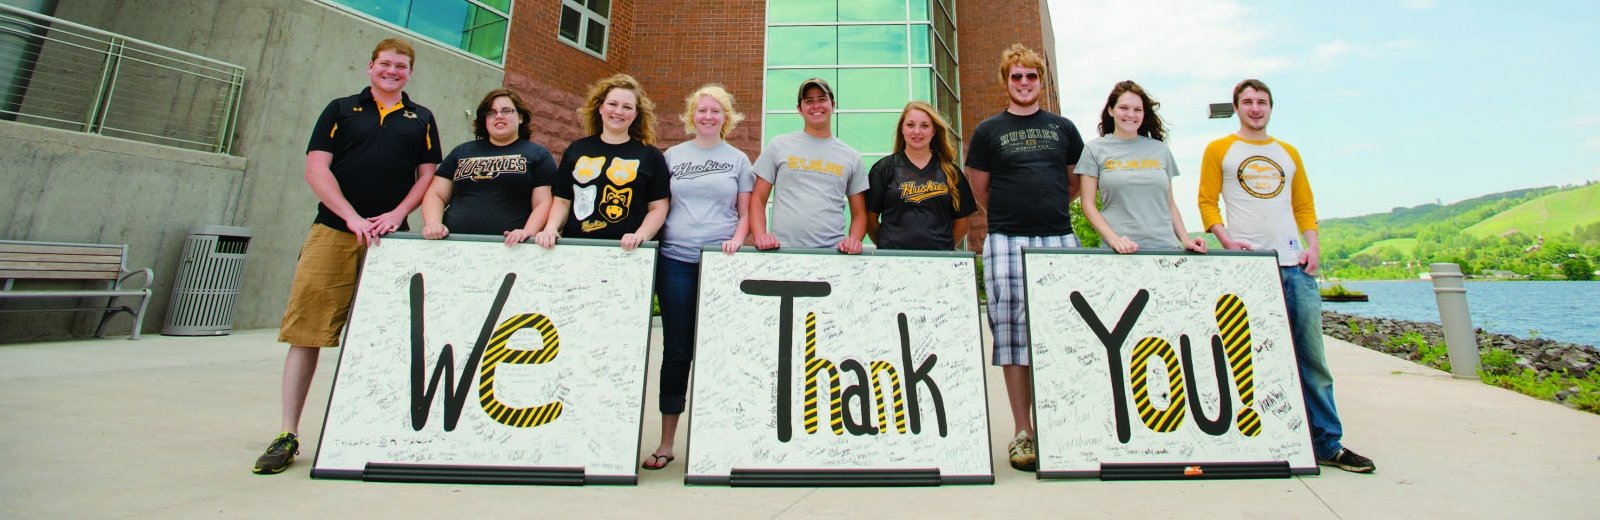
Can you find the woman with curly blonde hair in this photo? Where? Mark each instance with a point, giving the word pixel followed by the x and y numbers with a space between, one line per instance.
pixel 612 184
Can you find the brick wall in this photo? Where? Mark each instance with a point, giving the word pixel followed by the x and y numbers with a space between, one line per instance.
pixel 671 46
pixel 552 75
pixel 982 92
pixel 683 44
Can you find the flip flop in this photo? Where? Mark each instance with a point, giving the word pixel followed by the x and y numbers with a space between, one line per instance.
pixel 664 460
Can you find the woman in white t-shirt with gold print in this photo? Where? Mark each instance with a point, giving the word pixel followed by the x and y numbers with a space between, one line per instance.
pixel 1131 169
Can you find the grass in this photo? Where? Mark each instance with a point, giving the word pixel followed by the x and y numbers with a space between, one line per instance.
pixel 1548 215
pixel 1339 289
pixel 1498 367
pixel 1405 246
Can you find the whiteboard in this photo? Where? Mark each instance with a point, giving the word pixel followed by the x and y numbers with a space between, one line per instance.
pixel 1166 411
pixel 559 384
pixel 736 413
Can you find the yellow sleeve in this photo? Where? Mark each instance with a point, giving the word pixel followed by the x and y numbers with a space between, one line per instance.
pixel 1305 207
pixel 1211 182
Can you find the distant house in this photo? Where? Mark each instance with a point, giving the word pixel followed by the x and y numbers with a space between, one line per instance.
pixel 1500 274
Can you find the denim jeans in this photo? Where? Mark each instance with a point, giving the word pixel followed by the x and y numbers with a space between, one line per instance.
pixel 1316 381
pixel 677 287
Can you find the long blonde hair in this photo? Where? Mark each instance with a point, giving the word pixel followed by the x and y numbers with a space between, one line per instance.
pixel 942 145
pixel 644 123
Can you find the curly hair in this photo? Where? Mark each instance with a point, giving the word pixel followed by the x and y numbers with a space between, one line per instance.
pixel 644 123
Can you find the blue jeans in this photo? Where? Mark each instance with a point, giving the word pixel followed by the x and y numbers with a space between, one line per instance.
pixel 677 287
pixel 1316 381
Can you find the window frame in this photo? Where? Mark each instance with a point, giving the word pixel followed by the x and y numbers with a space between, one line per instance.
pixel 585 15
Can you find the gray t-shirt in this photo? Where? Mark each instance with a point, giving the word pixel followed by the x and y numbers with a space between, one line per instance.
pixel 812 180
pixel 1135 175
pixel 706 183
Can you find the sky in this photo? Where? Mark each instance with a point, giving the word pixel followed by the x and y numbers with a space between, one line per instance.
pixel 1392 103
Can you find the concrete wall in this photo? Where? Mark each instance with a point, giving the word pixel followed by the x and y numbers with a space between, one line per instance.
pixel 299 55
pixel 63 186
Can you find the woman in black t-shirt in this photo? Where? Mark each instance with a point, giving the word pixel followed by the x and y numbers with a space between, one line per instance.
pixel 497 184
pixel 612 184
pixel 919 192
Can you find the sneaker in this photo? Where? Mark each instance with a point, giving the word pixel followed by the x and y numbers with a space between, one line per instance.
pixel 1348 460
pixel 1023 455
pixel 279 454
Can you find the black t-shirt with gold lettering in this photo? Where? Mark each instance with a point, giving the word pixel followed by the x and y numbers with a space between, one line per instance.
pixel 610 186
pixel 914 204
pixel 1027 159
pixel 491 189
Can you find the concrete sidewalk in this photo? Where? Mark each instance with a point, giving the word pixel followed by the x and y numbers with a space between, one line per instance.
pixel 169 427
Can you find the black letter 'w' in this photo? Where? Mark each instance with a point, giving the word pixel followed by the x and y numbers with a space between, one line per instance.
pixel 455 393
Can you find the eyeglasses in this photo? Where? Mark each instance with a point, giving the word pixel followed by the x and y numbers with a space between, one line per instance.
pixel 814 100
pixel 508 112
pixel 1032 76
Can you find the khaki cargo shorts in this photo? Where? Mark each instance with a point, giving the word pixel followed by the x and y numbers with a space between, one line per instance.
pixel 324 286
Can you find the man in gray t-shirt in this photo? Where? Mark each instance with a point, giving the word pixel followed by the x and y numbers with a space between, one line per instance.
pixel 813 174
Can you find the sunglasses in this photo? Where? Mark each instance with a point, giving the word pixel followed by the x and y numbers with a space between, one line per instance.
pixel 1032 76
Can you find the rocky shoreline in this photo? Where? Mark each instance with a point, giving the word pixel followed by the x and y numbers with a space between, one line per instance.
pixel 1382 334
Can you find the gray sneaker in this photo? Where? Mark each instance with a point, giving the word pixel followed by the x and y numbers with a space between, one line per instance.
pixel 279 454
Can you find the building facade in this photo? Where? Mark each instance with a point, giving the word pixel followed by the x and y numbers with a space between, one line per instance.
pixel 878 54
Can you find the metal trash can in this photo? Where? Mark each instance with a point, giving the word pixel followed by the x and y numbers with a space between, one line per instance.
pixel 207 286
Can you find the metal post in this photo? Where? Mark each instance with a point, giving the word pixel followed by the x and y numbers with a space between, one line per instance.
pixel 1449 288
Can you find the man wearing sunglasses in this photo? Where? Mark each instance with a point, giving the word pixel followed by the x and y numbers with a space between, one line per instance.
pixel 1020 165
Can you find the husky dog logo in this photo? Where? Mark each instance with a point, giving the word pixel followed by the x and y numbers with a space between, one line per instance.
pixel 587 169
pixel 583 202
pixel 623 171
pixel 1261 177
pixel 614 203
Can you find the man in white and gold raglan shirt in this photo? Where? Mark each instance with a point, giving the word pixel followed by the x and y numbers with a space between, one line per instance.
pixel 1270 207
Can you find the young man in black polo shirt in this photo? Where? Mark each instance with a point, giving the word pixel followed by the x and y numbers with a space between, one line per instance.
pixel 1020 165
pixel 369 162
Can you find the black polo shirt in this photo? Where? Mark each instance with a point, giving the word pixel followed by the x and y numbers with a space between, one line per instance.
pixel 375 156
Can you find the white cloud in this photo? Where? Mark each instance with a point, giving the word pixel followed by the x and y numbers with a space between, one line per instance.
pixel 1324 53
pixel 1187 53
pixel 1420 5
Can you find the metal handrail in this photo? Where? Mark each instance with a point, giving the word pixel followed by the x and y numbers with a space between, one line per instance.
pixel 62 74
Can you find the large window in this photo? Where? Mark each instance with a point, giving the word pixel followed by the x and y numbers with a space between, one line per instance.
pixel 475 26
pixel 877 54
pixel 585 23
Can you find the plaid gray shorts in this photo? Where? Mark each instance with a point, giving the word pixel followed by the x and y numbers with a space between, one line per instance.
pixel 1002 275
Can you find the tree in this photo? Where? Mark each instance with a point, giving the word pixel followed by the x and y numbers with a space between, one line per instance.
pixel 1577 269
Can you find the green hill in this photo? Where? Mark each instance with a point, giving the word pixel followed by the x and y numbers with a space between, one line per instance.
pixel 1552 225
pixel 1551 214
pixel 1404 246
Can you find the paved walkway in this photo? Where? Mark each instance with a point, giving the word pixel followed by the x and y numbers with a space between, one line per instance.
pixel 168 428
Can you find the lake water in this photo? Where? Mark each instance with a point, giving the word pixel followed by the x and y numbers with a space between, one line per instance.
pixel 1561 311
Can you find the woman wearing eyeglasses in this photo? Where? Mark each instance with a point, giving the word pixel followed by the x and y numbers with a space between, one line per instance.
pixel 497 184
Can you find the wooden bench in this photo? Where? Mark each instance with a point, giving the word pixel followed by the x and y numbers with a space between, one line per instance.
pixel 20 260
